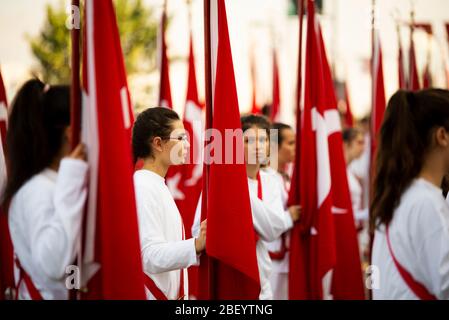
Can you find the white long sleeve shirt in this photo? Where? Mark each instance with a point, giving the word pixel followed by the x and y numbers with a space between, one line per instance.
pixel 164 252
pixel 280 268
pixel 45 218
pixel 419 236
pixel 270 221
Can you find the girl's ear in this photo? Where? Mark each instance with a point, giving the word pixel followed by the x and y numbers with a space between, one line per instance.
pixel 442 137
pixel 157 144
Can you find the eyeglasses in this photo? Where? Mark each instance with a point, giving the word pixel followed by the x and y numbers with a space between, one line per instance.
pixel 182 138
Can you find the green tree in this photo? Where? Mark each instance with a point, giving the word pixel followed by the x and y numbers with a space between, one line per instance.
pixel 138 36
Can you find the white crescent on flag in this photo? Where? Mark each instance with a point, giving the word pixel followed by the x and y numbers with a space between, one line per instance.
pixel 324 174
pixel 336 210
pixel 89 137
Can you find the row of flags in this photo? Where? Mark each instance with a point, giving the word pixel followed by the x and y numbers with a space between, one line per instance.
pixel 274 113
pixel 408 75
pixel 109 255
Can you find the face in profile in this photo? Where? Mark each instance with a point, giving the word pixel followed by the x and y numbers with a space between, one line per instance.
pixel 287 148
pixel 255 145
pixel 176 145
pixel 357 146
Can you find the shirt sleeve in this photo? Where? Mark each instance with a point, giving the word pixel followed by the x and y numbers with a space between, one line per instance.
pixel 197 219
pixel 56 229
pixel 433 252
pixel 158 254
pixel 269 217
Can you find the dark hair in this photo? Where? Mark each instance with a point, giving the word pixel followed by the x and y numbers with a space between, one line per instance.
pixel 39 116
pixel 266 110
pixel 405 138
pixel 153 122
pixel 349 134
pixel 251 120
pixel 280 127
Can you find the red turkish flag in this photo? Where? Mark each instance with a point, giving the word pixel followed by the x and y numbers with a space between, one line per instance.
pixel 231 246
pixel 6 250
pixel 191 173
pixel 275 113
pixel 164 84
pixel 313 247
pixel 349 118
pixel 112 266
pixel 378 95
pixel 347 280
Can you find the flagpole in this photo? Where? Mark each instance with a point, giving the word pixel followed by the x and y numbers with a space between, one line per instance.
pixel 207 262
pixel 299 83
pixel 75 110
pixel 75 94
pixel 412 49
pixel 371 128
pixel 161 53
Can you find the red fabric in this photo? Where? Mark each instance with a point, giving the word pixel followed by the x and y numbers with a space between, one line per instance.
pixel 164 84
pixel 259 187
pixel 153 288
pixel 312 246
pixel 280 255
pixel 426 27
pixel 347 279
pixel 116 240
pixel 190 183
pixel 276 104
pixel 6 256
pixel 23 276
pixel 349 118
pixel 401 71
pixel 378 96
pixel 255 108
pixel 232 271
pixel 417 288
pixel 413 81
pixel 3 104
pixel 6 250
pixel 427 77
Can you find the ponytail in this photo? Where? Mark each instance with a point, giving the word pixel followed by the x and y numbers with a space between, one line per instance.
pixel 404 140
pixel 39 116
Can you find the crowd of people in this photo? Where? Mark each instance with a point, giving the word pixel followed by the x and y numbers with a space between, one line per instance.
pixel 46 190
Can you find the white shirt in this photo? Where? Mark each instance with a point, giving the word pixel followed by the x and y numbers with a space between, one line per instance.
pixel 2 170
pixel 279 266
pixel 355 189
pixel 270 221
pixel 45 224
pixel 164 252
pixel 361 168
pixel 419 235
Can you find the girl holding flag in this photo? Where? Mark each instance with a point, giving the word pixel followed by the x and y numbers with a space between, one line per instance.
pixel 269 217
pixel 45 190
pixel 284 140
pixel 160 140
